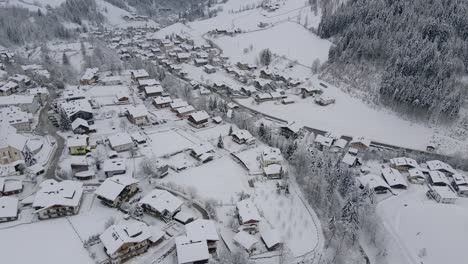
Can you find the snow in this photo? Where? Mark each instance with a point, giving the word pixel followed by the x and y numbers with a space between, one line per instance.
pixel 43 244
pixel 168 142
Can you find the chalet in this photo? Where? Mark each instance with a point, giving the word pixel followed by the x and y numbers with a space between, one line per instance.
pixel 374 182
pixel 323 142
pixel 202 152
pixel 217 120
pixel 263 84
pixel 20 79
pixel 416 176
pixel 80 108
pixel 277 95
pixel 248 90
pixel 137 75
pixel 80 126
pixel 36 169
pixel 16 117
pixel 184 218
pixel 360 143
pixel 246 241
pixel 183 57
pixel 137 115
pixel 443 194
pixel 120 142
pixel 73 94
pixel 351 160
pixel 126 240
pixel 113 167
pixel 57 199
pixel 78 145
pixel 138 138
pixel 177 103
pixel 200 62
pixel 8 88
pixel 339 144
pixel 290 130
pixel 112 80
pixel 117 189
pixel 89 77
pixel 460 184
pixel 79 163
pixel 273 171
pixel 437 178
pixel 153 91
pixel 185 111
pixel 162 101
pixel 243 137
pixel 190 251
pixel 11 187
pixel 209 69
pixel 85 175
pixel 394 178
pixel 198 119
pixel 142 83
pixel 403 163
pixel 204 230
pixel 266 74
pixel 248 215
pixel 310 91
pixel 8 209
pixel 437 165
pixel 246 66
pixel 270 156
pixel 294 83
pixel 324 100
pixel 12 144
pixel 270 238
pixel 288 100
pixel 263 97
pixel 161 203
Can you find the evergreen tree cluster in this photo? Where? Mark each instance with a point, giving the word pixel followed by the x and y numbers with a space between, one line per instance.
pixel 420 45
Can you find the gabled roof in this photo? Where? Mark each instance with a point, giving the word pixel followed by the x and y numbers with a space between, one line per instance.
pixel 120 139
pixel 202 229
pixel 199 116
pixel 137 111
pixel 111 188
pixel 438 177
pixel 373 181
pixel 118 235
pixel 245 240
pixel 64 193
pixel 393 177
pixel 190 251
pixel 8 206
pixel 162 200
pixel 248 211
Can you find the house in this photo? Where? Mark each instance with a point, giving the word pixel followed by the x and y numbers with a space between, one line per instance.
pixel 16 117
pixel 394 178
pixel 138 115
pixel 80 126
pixel 323 142
pixel 200 62
pixel 89 77
pixel 246 241
pixel 403 163
pixel 78 144
pixel 204 230
pixel 161 203
pixel 117 189
pixel 153 90
pixel 209 69
pixel 40 92
pixel 162 101
pixel 12 187
pixel 351 160
pixel 57 199
pixel 8 209
pixel 113 167
pixel 374 182
pixel 437 165
pixel 248 90
pixel 288 100
pixel 217 120
pixel 184 218
pixel 27 103
pixel 437 178
pixel 310 91
pixel 8 88
pixel 360 143
pixel 203 152
pixel 198 119
pixel 191 251
pixel 80 108
pixel 20 79
pixel 270 238
pixel 142 83
pixel 243 137
pixel 177 103
pixel 339 144
pixel 248 214
pixel 291 130
pixel 270 156
pixel 273 171
pixel 138 137
pixel 126 240
pixel 85 175
pixel 36 169
pixel 263 84
pixel 183 57
pixel 112 80
pixel 120 142
pixel 443 194
pixel 416 176
pixel 137 75
pixel 324 100
pixel 460 184
pixel 184 111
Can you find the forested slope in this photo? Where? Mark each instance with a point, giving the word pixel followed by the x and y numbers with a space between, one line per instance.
pixel 421 46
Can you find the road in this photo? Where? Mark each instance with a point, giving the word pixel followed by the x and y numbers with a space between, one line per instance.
pixel 45 127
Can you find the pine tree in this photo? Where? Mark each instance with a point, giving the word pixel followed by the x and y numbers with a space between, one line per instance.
pixel 265 57
pixel 65 123
pixel 261 131
pixel 230 130
pixel 65 60
pixel 291 150
pixel 220 142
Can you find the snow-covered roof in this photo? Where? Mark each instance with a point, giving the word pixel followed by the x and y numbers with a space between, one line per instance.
pixel 202 229
pixel 270 236
pixel 162 200
pixel 8 206
pixel 114 165
pixel 12 185
pixel 403 161
pixel 120 139
pixel 272 169
pixel 324 141
pixel 64 193
pixel 393 177
pixel 118 235
pixel 438 177
pixel 190 251
pixel 185 109
pixel 77 141
pixel 176 103
pixel 75 106
pixel 340 143
pixel 272 154
pixel 9 137
pixel 137 136
pixel 153 89
pixel 89 73
pixel 416 173
pixel 137 111
pixel 248 211
pixel 199 116
pixel 459 179
pixel 16 99
pixel 362 140
pixel 245 240
pixel 162 100
pixel 148 82
pixel 373 181
pixel 79 122
pixel 36 168
pixel 140 73
pixel 111 188
pixel 112 79
pixel 437 165
pixel 202 149
pixel 242 134
pixel 293 126
pixel 183 216
pixel 445 192
pixel 183 55
pixel 8 86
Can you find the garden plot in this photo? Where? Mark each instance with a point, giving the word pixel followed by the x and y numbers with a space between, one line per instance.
pixel 428 232
pixel 51 241
pixel 220 179
pixel 169 142
pixel 289 216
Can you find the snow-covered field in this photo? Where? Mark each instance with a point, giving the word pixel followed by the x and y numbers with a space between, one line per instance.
pixel 428 232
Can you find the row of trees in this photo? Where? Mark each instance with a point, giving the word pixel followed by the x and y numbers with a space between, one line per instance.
pixel 420 46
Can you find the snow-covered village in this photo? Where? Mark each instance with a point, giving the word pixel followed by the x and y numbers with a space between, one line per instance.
pixel 233 131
